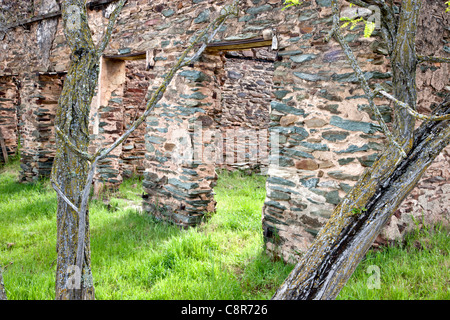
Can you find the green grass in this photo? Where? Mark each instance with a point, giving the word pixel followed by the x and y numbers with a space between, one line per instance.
pixel 419 268
pixel 136 257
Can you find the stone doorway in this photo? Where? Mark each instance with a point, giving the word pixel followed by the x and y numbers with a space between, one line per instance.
pixel 191 133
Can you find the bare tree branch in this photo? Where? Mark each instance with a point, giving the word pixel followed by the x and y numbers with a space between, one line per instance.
pixel 111 23
pixel 63 196
pixel 433 59
pixel 335 32
pixel 411 111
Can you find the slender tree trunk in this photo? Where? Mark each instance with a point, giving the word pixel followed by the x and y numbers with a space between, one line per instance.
pixel 70 169
pixel 2 287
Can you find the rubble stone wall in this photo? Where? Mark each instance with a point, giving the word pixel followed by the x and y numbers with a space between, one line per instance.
pixel 246 96
pixel 322 135
pixel 9 99
pixel 39 99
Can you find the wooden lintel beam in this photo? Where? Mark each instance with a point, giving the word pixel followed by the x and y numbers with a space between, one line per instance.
pixel 128 56
pixel 91 6
pixel 233 45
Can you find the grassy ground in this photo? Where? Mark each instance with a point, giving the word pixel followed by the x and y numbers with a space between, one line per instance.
pixel 135 257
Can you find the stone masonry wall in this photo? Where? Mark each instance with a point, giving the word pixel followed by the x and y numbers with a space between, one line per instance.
pixel 39 99
pixel 246 96
pixel 317 113
pixel 9 99
pixel 136 86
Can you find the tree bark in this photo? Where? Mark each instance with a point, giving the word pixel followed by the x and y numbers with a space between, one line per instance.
pixel 345 239
pixel 2 287
pixel 404 64
pixel 70 169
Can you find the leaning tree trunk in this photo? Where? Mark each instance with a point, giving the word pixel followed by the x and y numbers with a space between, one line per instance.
pixel 342 243
pixel 2 287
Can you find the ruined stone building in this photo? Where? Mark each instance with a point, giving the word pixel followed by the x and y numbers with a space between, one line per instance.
pixel 269 83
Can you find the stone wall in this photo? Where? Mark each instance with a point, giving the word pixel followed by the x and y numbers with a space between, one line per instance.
pixel 134 102
pixel 39 98
pixel 9 99
pixel 321 134
pixel 246 96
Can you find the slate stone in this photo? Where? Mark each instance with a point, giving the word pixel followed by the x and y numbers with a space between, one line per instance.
pixel 310 183
pixel 297 154
pixel 345 161
pixel 367 161
pixel 368 75
pixel 340 175
pixel 196 96
pixel 333 197
pixel 315 146
pixel 168 12
pixel 306 15
pixel 289 53
pixel 280 181
pixel 324 3
pixel 275 204
pixel 351 125
pixel 352 149
pixel 194 75
pixel 202 17
pixel 234 75
pixel 284 108
pixel 183 185
pixel 280 94
pixel 335 135
pixel 303 58
pixel 310 77
pixel 260 9
pixel 277 195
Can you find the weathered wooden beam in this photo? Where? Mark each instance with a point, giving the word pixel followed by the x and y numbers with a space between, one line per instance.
pixel 129 56
pixel 50 15
pixel 90 5
pixel 234 45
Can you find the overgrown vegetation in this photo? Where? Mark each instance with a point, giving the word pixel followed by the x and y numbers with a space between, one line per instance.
pixel 136 257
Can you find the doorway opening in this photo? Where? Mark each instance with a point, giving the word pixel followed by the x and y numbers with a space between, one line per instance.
pixel 244 121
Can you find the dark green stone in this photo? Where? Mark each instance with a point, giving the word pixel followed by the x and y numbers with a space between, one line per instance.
pixel 335 135
pixel 351 125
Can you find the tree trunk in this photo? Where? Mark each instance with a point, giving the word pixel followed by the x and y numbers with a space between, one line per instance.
pixel 70 170
pixel 404 64
pixel 359 218
pixel 2 287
